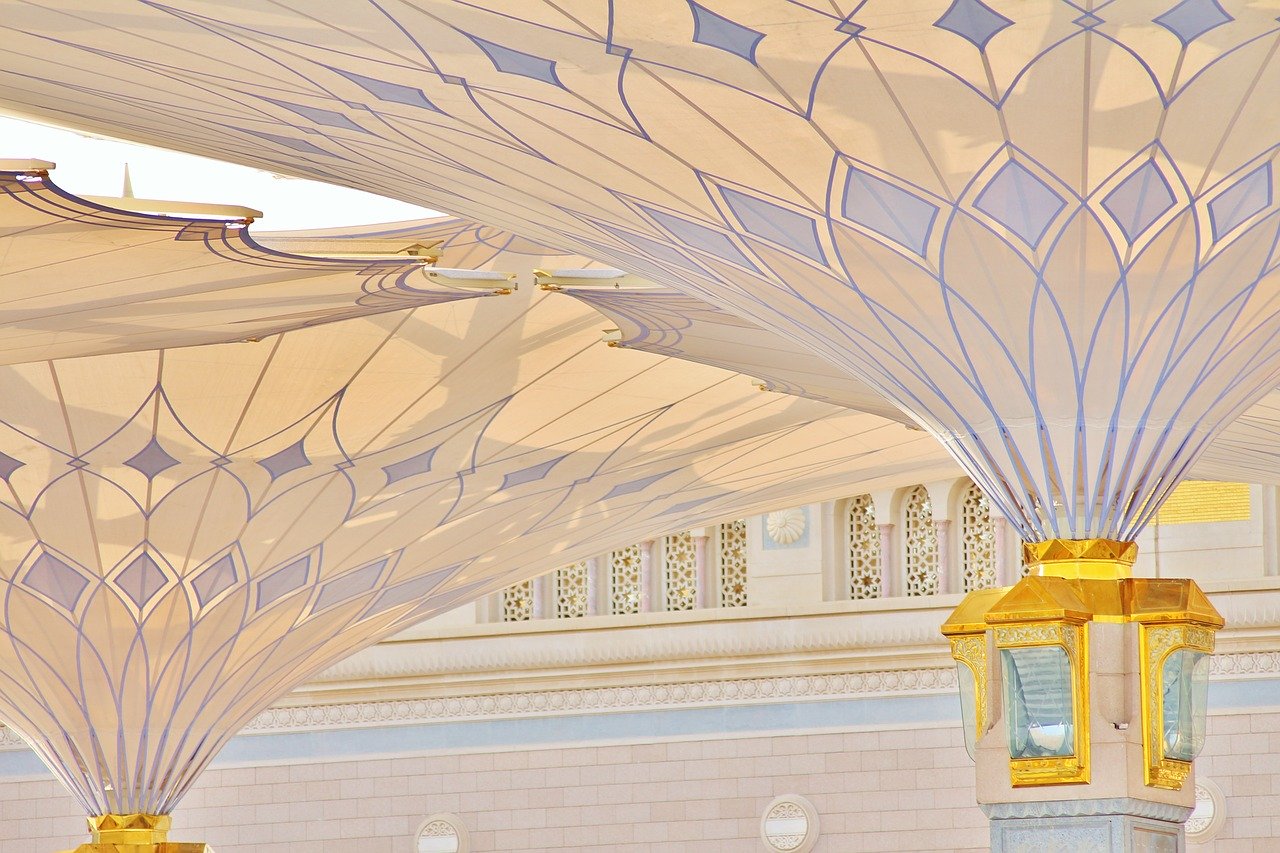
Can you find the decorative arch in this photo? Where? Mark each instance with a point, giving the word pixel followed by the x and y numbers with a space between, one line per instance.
pixel 865 560
pixel 920 538
pixel 978 554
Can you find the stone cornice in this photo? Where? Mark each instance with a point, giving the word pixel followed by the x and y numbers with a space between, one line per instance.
pixel 844 636
pixel 639 697
pixel 840 650
pixel 883 635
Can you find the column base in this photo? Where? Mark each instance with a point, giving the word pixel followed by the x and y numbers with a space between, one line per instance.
pixel 1118 825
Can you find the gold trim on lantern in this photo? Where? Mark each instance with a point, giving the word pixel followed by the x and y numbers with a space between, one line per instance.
pixel 1074 640
pixel 966 627
pixel 972 652
pixel 1155 644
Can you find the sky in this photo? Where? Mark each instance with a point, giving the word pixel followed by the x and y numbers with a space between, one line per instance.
pixel 94 165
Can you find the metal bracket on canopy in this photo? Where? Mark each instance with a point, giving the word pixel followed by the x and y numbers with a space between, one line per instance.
pixel 501 283
pixel 591 279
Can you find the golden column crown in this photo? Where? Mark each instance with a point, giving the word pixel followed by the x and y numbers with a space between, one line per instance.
pixel 1089 559
pixel 134 833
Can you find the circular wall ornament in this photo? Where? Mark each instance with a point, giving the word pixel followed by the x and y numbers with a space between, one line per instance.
pixel 443 833
pixel 789 825
pixel 1209 814
pixel 786 525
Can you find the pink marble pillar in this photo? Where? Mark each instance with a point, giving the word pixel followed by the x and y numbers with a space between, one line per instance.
pixel 597 584
pixel 942 531
pixel 650 586
pixel 1006 574
pixel 705 573
pixel 888 563
pixel 544 596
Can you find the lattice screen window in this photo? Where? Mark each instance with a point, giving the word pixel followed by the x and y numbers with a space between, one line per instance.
pixel 571 591
pixel 517 602
pixel 977 540
pixel 624 580
pixel 733 563
pixel 922 544
pixel 680 571
pixel 864 549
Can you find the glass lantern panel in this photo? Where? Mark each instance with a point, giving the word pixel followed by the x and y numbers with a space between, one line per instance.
pixel 1038 698
pixel 968 707
pixel 1185 703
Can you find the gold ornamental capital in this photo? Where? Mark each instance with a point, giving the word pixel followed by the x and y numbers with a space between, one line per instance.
pixel 1090 559
pixel 135 833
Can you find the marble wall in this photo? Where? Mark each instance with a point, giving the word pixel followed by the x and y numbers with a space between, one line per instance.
pixel 891 789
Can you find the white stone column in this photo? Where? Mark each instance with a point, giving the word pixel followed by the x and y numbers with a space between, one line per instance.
pixel 544 596
pixel 706 574
pixel 1267 505
pixel 597 585
pixel 650 579
pixel 889 584
pixel 946 571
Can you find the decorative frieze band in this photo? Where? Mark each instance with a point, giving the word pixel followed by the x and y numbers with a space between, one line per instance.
pixel 642 697
pixel 606 699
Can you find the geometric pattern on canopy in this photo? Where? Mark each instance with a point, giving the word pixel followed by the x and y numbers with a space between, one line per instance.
pixel 1046 232
pixel 666 323
pixel 190 532
pixel 78 278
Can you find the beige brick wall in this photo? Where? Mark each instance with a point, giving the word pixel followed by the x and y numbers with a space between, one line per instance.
pixel 875 791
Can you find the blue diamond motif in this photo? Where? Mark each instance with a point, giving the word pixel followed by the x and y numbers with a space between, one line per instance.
pixel 414 465
pixel 510 61
pixel 635 485
pixel 1191 19
pixel 1088 21
pixel 973 21
pixel 141 580
pixel 528 475
pixel 888 210
pixel 348 586
pixel 696 502
pixel 1139 200
pixel 849 28
pixel 290 459
pixel 215 580
pixel 717 31
pixel 151 460
pixel 8 465
pixel 1021 202
pixel 775 223
pixel 701 237
pixel 393 92
pixel 283 581
pixel 409 591
pixel 652 248
pixel 299 145
pixel 328 118
pixel 1245 198
pixel 55 579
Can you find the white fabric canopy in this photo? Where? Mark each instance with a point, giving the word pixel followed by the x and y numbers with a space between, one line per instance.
pixel 189 532
pixel 79 277
pixel 1046 233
